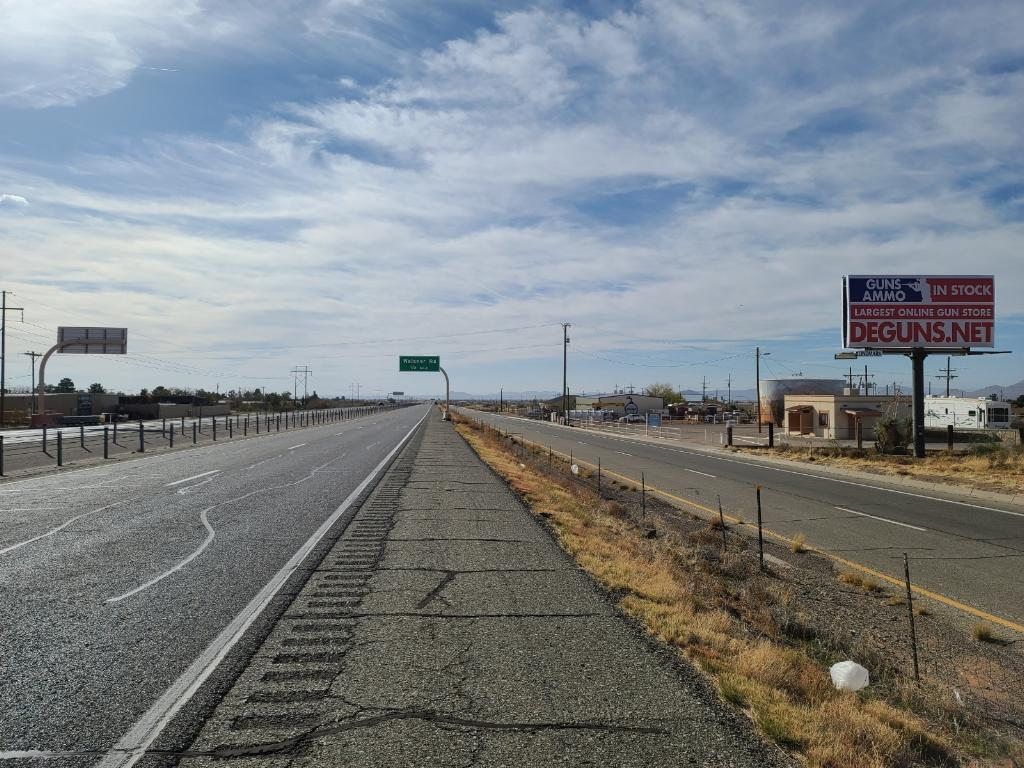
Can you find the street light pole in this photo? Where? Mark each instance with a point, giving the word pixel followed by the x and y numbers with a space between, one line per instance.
pixel 565 369
pixel 33 355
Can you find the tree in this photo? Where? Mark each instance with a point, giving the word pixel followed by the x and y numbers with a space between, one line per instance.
pixel 65 385
pixel 1019 402
pixel 97 389
pixel 666 392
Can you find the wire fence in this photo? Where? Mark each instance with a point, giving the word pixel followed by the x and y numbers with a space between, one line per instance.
pixel 919 652
pixel 59 446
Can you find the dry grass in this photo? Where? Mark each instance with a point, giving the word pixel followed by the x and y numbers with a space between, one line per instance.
pixel 798 544
pixel 987 466
pixel 785 692
pixel 984 633
pixel 863 582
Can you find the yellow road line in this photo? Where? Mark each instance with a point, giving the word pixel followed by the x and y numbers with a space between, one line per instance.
pixel 948 601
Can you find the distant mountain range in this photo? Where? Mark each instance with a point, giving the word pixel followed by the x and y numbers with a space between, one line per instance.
pixel 1008 392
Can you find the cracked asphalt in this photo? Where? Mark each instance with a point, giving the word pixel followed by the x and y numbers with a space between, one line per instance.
pixel 447 628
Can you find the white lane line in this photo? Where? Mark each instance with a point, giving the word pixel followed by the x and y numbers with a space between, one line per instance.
pixel 132 747
pixel 882 519
pixel 339 434
pixel 624 453
pixel 59 528
pixel 698 472
pixel 297 446
pixel 190 488
pixel 210 535
pixel 370 446
pixel 194 477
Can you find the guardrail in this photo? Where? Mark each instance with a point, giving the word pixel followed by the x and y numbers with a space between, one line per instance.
pixel 60 445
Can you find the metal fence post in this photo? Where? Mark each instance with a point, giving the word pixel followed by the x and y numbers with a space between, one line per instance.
pixel 60 448
pixel 771 434
pixel 214 420
pixel 245 427
pixel 729 432
pixel 1 455
pixel 643 494
pixel 142 439
pixel 106 445
pixel 182 426
pixel 171 435
pixel 81 434
pixel 279 422
pixel 910 610
pixel 231 432
pixel 760 534
pixel 194 435
pixel 44 439
pixel 163 429
pixel 115 433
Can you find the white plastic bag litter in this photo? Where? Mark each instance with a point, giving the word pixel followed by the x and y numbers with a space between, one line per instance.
pixel 848 676
pixel 575 469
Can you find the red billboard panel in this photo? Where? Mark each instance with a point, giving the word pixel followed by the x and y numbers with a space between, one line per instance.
pixel 922 311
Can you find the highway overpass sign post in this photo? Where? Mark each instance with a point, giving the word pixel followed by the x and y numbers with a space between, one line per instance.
pixel 428 363
pixel 80 341
pixel 918 315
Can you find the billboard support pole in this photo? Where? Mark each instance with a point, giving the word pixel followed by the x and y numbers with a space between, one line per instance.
pixel 917 356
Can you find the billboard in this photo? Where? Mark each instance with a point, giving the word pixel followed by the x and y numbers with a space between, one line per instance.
pixel 93 341
pixel 918 311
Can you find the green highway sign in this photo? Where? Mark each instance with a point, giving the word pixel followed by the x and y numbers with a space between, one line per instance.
pixel 419 363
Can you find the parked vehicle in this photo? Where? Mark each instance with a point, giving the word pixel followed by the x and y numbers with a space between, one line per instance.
pixel 632 418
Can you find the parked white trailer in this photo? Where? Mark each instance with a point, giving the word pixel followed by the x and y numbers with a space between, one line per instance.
pixel 966 413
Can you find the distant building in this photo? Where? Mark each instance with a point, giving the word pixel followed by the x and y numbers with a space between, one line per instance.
pixel 620 404
pixel 836 417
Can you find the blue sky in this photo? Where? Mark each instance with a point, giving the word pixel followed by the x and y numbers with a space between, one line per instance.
pixel 255 186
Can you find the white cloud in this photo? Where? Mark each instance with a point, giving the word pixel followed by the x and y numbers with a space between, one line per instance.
pixel 521 175
pixel 14 201
pixel 60 53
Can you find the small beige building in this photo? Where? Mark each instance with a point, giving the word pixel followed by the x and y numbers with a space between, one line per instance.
pixel 836 417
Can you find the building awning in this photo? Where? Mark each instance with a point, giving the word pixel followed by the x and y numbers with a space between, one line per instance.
pixel 858 412
pixel 799 408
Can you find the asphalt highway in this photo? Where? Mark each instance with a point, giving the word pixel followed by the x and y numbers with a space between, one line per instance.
pixel 967 550
pixel 118 578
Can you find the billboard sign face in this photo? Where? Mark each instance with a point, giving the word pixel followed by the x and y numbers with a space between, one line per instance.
pixel 93 341
pixel 419 363
pixel 398 394
pixel 919 311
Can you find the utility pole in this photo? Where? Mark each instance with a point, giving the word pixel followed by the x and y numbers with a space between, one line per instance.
pixel 728 383
pixel 704 389
pixel 33 355
pixel 4 309
pixel 304 370
pixel 867 383
pixel 947 374
pixel 849 378
pixel 565 371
